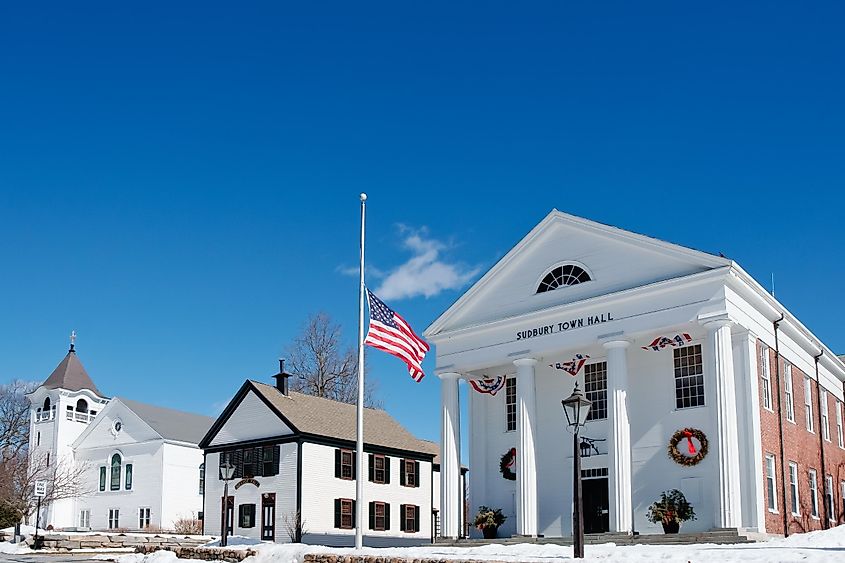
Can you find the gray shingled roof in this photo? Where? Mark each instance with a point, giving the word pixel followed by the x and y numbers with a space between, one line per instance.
pixel 172 424
pixel 70 375
pixel 333 419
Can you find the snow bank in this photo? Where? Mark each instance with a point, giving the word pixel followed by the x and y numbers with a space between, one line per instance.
pixel 13 548
pixel 235 542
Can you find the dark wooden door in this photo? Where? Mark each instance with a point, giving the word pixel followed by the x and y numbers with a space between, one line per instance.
pixel 227 508
pixel 268 516
pixel 596 513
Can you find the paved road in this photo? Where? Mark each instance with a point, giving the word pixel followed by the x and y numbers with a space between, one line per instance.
pixel 50 558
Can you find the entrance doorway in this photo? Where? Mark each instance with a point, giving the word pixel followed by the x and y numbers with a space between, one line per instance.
pixel 596 508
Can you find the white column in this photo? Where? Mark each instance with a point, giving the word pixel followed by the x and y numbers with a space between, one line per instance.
pixel 719 361
pixel 526 460
pixel 619 449
pixel 450 456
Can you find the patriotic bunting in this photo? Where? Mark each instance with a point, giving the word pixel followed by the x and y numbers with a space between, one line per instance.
pixel 573 366
pixel 489 385
pixel 663 341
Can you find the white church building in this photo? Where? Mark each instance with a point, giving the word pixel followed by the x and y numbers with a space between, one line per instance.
pixel 696 374
pixel 142 464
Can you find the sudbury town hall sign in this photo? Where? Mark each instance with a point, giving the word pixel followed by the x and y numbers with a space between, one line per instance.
pixel 544 330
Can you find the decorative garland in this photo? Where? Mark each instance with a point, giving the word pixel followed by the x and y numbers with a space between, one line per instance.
pixel 573 366
pixel 506 463
pixel 694 457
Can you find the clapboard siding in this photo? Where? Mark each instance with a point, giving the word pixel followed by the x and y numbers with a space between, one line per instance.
pixel 252 420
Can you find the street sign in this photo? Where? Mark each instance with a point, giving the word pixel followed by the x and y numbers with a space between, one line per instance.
pixel 41 489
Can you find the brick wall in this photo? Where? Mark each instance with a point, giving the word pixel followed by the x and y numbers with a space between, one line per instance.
pixel 801 447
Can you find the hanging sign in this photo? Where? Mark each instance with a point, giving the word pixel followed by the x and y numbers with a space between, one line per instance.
pixel 573 366
pixel 570 324
pixel 661 342
pixel 488 385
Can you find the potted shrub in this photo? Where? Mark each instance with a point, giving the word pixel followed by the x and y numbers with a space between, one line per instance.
pixel 670 510
pixel 488 521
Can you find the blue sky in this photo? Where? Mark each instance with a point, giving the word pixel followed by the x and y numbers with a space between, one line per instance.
pixel 179 182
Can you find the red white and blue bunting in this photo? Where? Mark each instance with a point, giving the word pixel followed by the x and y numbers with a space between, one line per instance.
pixel 573 366
pixel 488 385
pixel 661 342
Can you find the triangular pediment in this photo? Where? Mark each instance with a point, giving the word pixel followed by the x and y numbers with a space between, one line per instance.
pixel 614 259
pixel 102 431
pixel 248 417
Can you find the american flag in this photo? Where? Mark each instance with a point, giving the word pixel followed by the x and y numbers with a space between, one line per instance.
pixel 390 333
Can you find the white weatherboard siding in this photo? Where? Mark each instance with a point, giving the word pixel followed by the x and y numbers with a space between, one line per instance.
pixel 283 484
pixel 180 490
pixel 320 487
pixel 252 420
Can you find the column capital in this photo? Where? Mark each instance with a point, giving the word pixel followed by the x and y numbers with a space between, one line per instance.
pixel 449 375
pixel 715 321
pixel 521 362
pixel 615 343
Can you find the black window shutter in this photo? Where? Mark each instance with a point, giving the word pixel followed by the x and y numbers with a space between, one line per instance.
pixel 386 516
pixel 337 463
pixel 241 511
pixel 372 468
pixel 386 470
pixel 416 518
pixel 417 475
pixel 401 517
pixel 239 463
pixel 354 513
pixel 372 515
pixel 337 513
pixel 220 465
pixel 277 452
pixel 259 462
pixel 402 472
pixel 354 465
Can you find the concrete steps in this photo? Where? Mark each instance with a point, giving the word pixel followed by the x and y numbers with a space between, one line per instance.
pixel 727 536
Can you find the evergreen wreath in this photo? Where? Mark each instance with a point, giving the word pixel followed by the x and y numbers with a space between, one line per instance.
pixel 506 463
pixel 695 457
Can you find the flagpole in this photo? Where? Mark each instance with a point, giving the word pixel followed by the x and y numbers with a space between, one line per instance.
pixel 359 438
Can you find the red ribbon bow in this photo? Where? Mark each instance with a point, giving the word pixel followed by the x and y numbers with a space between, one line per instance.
pixel 690 445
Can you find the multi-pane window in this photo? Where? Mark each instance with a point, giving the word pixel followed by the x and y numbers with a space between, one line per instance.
pixel 115 472
pixel 346 464
pixel 793 488
pixel 249 463
pixel 246 516
pixel 143 518
pixel 808 403
pixel 770 483
pixel 410 476
pixel 202 479
pixel 825 419
pixel 562 276
pixel 766 376
pixel 127 483
pixel 840 437
pixel 689 377
pixel 103 478
pixel 344 513
pixel 256 461
pixel 85 518
pixel 114 518
pixel 828 496
pixel 410 518
pixel 814 494
pixel 379 516
pixel 378 469
pixel 267 460
pixel 595 388
pixel 787 390
pixel 510 404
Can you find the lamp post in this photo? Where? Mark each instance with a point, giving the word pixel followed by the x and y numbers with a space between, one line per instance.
pixel 227 472
pixel 576 407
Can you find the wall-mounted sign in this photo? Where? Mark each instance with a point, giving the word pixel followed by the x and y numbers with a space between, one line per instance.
pixel 247 481
pixel 564 326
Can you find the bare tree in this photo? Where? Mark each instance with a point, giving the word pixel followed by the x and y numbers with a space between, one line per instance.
pixel 323 366
pixel 18 474
pixel 295 526
pixel 14 417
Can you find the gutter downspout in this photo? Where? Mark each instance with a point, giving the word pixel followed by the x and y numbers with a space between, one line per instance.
pixel 776 324
pixel 825 515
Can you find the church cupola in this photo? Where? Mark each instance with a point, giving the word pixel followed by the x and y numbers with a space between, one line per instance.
pixel 282 379
pixel 70 374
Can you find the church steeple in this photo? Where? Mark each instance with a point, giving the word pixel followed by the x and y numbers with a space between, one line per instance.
pixel 70 374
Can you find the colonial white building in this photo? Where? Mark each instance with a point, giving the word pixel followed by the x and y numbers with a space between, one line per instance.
pixel 294 454
pixel 662 339
pixel 143 467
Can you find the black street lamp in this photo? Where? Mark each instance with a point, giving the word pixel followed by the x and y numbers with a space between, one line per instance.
pixel 227 472
pixel 576 407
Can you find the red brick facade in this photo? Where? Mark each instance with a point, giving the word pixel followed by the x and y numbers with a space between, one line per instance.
pixel 801 447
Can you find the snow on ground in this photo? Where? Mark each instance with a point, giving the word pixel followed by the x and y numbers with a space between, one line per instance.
pixel 8 547
pixel 235 542
pixel 814 547
pixel 25 530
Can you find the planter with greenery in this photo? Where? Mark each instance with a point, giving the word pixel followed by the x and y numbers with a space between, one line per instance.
pixel 488 521
pixel 670 510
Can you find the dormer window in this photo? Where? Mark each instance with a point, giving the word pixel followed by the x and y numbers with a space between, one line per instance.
pixel 568 274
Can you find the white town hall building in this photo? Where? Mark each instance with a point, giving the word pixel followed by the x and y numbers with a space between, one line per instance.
pixel 662 339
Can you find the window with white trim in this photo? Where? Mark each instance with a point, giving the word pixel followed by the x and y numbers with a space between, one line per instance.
pixel 85 518
pixel 808 403
pixel 787 391
pixel 766 377
pixel 828 495
pixel 510 404
pixel 825 419
pixel 563 276
pixel 114 518
pixel 840 437
pixel 689 377
pixel 595 389
pixel 143 518
pixel 793 488
pixel 814 493
pixel 770 483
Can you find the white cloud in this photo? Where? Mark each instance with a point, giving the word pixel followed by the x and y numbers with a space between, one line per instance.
pixel 426 273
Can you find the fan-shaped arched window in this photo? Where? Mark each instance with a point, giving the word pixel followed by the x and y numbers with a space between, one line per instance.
pixel 568 274
pixel 115 472
pixel 81 405
pixel 47 404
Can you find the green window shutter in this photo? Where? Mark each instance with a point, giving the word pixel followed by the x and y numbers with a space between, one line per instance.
pixel 337 511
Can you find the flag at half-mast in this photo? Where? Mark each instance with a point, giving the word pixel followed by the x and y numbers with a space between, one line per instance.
pixel 390 333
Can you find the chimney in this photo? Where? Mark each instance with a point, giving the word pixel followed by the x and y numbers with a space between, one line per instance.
pixel 282 378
